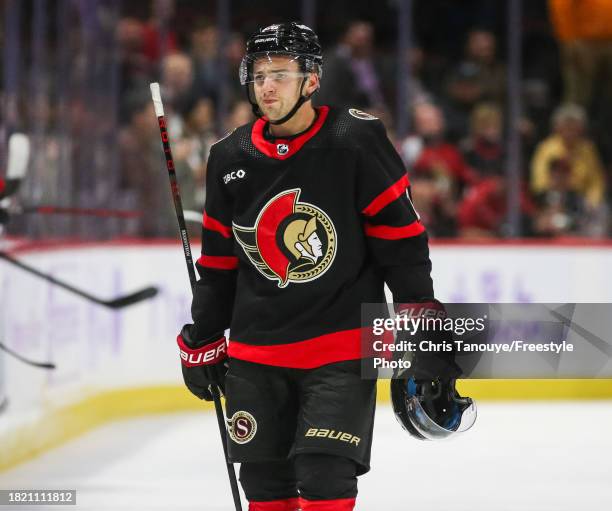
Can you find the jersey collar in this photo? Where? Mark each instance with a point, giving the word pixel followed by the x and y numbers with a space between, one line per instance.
pixel 283 148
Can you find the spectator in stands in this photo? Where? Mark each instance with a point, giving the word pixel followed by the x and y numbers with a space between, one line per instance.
pixel 484 210
pixel 191 150
pixel 205 48
pixel 484 149
pixel 428 152
pixel 234 51
pixel 135 69
pixel 352 75
pixel 561 211
pixel 177 82
pixel 204 52
pixel 569 142
pixel 465 88
pixel 177 78
pixel 141 168
pixel 240 113
pixel 436 205
pixel 584 31
pixel 417 89
pixel 481 50
pixel 438 171
pixel 159 37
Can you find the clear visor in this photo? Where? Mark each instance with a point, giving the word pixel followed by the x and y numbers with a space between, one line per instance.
pixel 430 429
pixel 256 68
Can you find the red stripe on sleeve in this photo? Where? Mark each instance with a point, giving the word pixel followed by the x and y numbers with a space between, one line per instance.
pixel 218 262
pixel 2 185
pixel 387 232
pixel 212 224
pixel 387 197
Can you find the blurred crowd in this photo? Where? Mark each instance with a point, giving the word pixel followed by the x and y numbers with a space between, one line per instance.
pixel 456 150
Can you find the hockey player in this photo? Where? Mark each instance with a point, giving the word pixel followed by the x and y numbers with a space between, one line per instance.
pixel 16 167
pixel 307 214
pixel 4 216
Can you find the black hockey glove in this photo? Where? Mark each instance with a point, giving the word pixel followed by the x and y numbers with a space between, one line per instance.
pixel 433 354
pixel 8 187
pixel 4 216
pixel 424 396
pixel 204 363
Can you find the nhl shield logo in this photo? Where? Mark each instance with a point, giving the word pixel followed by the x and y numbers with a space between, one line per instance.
pixel 291 242
pixel 282 149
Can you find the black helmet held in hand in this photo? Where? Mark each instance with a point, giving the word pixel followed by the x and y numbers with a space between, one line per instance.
pixel 431 409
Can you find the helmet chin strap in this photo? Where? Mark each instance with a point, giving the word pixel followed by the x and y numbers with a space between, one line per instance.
pixel 301 100
pixel 291 113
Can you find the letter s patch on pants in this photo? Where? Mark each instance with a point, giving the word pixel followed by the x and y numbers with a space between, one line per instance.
pixel 242 427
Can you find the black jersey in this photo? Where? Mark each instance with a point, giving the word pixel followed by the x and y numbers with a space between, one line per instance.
pixel 298 233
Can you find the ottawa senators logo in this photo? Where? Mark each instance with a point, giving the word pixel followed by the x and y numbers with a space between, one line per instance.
pixel 291 241
pixel 242 427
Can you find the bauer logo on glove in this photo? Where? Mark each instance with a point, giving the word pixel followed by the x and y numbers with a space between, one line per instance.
pixel 208 354
pixel 203 362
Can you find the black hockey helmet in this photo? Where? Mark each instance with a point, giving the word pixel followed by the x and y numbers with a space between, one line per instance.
pixel 289 39
pixel 431 409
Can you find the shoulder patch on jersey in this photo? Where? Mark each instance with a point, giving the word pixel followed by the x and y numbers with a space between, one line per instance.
pixel 359 114
pixel 225 136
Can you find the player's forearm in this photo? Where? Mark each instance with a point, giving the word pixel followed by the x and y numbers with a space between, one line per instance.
pixel 406 267
pixel 410 284
pixel 213 300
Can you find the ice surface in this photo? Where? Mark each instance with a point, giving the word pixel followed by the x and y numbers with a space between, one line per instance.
pixel 518 457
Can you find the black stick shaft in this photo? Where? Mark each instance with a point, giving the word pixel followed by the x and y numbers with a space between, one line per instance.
pixel 178 207
pixel 176 197
pixel 42 365
pixel 97 212
pixel 115 303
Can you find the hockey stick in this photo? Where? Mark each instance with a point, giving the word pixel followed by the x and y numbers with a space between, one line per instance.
pixel 116 303
pixel 17 165
pixel 16 168
pixel 178 206
pixel 5 214
pixel 42 365
pixel 61 210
